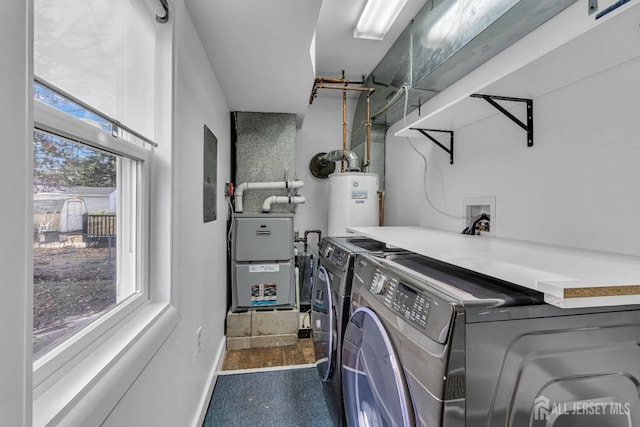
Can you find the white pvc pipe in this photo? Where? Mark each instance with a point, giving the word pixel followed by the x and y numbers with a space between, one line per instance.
pixel 262 186
pixel 266 206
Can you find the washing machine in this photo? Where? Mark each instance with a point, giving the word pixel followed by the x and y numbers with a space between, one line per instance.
pixel 330 309
pixel 431 344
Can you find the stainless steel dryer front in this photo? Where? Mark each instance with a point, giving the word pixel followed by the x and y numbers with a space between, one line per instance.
pixel 330 310
pixel 430 344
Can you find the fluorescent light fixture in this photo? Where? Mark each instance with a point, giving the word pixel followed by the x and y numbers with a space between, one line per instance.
pixel 377 18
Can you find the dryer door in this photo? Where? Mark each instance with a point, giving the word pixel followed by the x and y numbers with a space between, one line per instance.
pixel 374 388
pixel 323 323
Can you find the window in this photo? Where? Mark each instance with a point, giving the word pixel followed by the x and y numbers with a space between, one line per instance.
pixel 84 235
pixel 89 221
pixel 99 65
pixel 103 52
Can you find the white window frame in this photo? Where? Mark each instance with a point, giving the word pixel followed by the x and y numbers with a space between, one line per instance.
pixel 50 120
pixel 97 374
pixel 105 357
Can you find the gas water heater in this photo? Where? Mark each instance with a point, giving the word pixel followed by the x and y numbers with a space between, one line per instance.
pixel 353 201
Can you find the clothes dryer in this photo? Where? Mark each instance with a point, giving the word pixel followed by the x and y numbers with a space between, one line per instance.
pixel 330 309
pixel 430 344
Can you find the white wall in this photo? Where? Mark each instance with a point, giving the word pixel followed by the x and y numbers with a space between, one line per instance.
pixel 175 384
pixel 15 187
pixel 576 187
pixel 320 132
pixel 172 388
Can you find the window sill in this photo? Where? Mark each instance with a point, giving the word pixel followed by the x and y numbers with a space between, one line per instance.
pixel 87 393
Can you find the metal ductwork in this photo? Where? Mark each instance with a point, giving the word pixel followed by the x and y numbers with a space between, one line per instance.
pixel 446 40
pixel 323 164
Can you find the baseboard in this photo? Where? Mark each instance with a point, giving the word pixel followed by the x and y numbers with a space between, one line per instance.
pixel 269 369
pixel 208 391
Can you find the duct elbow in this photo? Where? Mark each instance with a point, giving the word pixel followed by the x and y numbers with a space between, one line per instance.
pixel 266 206
pixel 237 196
pixel 352 160
pixel 336 156
pixel 262 186
pixel 241 188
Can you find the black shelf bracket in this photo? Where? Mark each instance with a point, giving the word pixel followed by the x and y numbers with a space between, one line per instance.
pixel 449 150
pixel 528 127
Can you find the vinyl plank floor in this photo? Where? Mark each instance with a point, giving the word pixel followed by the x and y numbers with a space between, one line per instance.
pixel 251 358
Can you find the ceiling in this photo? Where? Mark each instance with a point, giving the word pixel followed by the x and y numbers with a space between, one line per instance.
pixel 263 52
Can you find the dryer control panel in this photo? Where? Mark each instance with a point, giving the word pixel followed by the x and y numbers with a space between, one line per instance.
pixel 335 256
pixel 408 302
pixel 413 305
pixel 409 298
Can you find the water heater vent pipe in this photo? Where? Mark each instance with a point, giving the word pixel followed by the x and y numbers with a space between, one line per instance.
pixel 339 155
pixel 262 186
pixel 343 85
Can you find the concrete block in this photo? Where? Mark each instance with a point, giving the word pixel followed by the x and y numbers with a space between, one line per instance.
pixel 274 340
pixel 276 322
pixel 238 343
pixel 238 324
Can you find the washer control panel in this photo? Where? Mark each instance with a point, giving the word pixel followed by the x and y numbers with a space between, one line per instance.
pixel 408 302
pixel 380 283
pixel 413 305
pixel 335 255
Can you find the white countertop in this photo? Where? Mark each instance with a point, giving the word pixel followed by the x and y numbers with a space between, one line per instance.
pixel 562 274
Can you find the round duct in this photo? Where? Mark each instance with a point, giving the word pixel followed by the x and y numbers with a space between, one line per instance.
pixel 320 168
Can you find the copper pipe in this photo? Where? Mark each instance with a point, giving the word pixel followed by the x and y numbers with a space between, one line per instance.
pixel 361 89
pixel 337 80
pixel 344 130
pixel 320 83
pixel 381 208
pixel 365 166
pixel 314 91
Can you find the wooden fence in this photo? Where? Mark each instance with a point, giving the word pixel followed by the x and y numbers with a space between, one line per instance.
pixel 99 229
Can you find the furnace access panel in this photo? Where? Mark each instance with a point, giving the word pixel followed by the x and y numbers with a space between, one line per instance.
pixel 263 265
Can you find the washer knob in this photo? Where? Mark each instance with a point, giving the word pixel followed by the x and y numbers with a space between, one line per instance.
pixel 328 252
pixel 378 283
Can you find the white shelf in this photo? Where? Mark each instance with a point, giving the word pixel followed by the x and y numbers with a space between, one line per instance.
pixel 558 272
pixel 541 63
